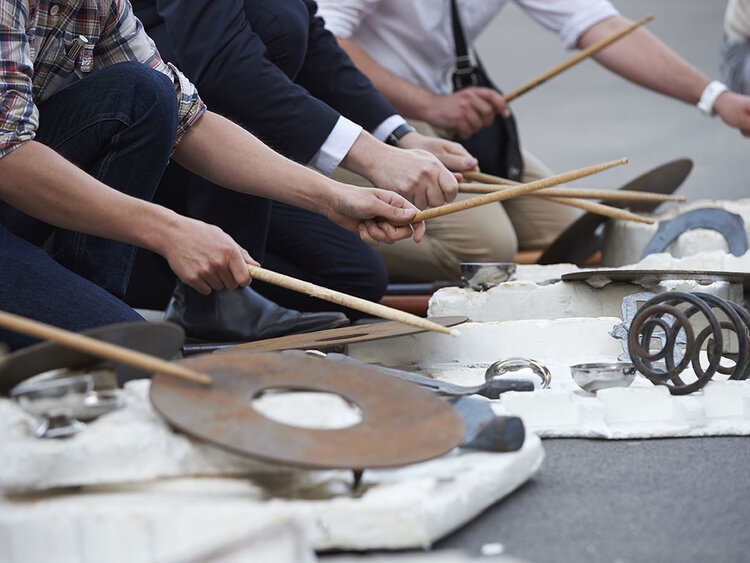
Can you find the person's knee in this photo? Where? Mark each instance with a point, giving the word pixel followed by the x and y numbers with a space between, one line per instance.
pixel 283 27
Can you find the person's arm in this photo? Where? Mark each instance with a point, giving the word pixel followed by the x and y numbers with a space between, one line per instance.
pixel 645 60
pixel 218 48
pixel 36 180
pixel 465 111
pixel 227 155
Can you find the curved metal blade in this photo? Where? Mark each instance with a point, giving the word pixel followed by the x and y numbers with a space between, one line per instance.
pixel 580 240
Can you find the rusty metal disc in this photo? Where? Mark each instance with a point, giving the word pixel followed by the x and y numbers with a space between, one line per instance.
pixel 158 339
pixel 337 337
pixel 401 423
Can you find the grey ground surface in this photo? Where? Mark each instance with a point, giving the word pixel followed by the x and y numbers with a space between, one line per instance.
pixel 609 501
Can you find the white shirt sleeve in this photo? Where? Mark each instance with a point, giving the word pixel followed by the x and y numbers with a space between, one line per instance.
pixel 568 18
pixel 344 19
pixel 338 143
pixel 388 126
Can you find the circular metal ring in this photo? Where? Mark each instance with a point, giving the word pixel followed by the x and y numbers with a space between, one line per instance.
pixel 514 364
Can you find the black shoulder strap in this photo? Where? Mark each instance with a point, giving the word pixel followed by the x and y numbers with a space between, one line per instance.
pixel 464 72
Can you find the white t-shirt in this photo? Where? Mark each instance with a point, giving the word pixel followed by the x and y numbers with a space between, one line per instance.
pixel 414 39
pixel 737 21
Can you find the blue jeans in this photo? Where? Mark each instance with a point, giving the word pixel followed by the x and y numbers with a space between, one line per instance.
pixel 119 125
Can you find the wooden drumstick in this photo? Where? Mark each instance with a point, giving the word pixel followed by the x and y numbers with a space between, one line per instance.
pixel 515 191
pixel 350 301
pixel 585 53
pixel 99 348
pixel 600 209
pixel 581 193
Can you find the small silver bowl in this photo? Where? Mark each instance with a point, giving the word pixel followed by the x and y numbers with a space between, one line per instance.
pixel 594 377
pixel 54 401
pixel 481 276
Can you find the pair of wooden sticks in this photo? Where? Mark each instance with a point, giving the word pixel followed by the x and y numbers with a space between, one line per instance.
pixel 572 196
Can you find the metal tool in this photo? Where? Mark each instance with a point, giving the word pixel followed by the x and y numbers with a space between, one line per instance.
pixel 481 276
pixel 501 367
pixel 580 240
pixel 334 339
pixel 54 403
pixel 490 389
pixel 487 431
pixel 401 423
pixel 659 357
pixel 729 225
pixel 158 339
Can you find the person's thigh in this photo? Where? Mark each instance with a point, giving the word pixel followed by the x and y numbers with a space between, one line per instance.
pixel 33 285
pixel 537 222
pixel 308 246
pixel 480 234
pixel 118 125
pixel 735 67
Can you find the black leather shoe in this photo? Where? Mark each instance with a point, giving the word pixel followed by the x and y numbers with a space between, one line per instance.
pixel 241 315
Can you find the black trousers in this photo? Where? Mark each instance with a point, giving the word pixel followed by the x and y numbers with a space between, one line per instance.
pixel 283 238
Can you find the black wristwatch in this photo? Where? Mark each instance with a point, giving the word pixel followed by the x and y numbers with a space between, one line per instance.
pixel 398 133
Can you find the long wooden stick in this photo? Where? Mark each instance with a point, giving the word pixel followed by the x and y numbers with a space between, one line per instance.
pixel 583 193
pixel 487 178
pixel 585 53
pixel 515 191
pixel 344 299
pixel 600 209
pixel 98 347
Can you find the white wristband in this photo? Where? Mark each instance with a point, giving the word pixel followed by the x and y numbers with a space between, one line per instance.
pixel 712 91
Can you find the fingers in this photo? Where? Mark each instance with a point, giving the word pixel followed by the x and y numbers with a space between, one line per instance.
pixel 498 103
pixel 238 268
pixel 373 232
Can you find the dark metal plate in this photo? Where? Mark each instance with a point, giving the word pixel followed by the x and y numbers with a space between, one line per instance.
pixel 337 337
pixel 653 276
pixel 401 423
pixel 158 339
pixel 579 240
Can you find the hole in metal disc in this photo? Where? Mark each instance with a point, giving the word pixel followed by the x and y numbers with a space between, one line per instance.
pixel 307 409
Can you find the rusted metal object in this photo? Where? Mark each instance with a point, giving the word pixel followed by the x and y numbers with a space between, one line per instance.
pixel 158 339
pixel 401 423
pixel 601 277
pixel 698 321
pixel 334 339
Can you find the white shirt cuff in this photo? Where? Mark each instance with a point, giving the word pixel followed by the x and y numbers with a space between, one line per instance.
pixel 387 127
pixel 333 150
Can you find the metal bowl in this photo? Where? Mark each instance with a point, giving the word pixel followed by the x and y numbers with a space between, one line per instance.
pixel 54 401
pixel 594 377
pixel 481 276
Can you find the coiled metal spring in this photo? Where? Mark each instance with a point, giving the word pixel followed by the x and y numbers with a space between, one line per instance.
pixel 662 340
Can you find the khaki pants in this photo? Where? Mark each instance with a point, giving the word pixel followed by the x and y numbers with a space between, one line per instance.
pixel 488 233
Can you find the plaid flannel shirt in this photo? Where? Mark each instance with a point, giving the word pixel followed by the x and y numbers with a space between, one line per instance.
pixel 42 42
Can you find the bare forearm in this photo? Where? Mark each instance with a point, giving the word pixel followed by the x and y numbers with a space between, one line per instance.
pixel 644 59
pixel 410 100
pixel 224 153
pixel 41 183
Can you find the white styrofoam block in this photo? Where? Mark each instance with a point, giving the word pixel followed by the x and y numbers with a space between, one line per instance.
pixel 484 343
pixel 408 507
pixel 624 241
pixel 524 300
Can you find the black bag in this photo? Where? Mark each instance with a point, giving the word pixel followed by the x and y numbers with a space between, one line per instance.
pixel 497 147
